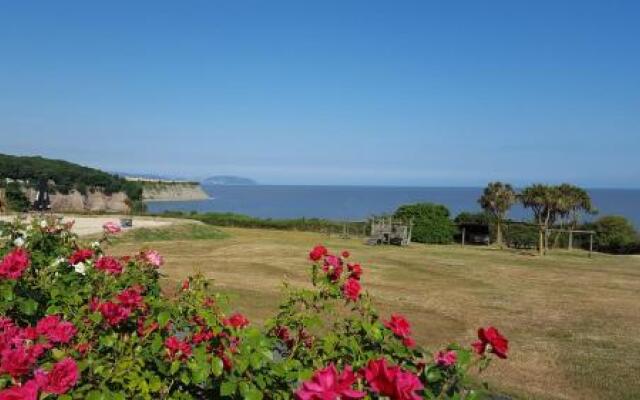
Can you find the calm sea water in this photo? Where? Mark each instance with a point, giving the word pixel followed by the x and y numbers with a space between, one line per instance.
pixel 359 202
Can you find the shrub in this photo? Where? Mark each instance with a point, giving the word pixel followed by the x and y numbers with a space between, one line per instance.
pixel 16 199
pixel 76 323
pixel 521 236
pixel 431 223
pixel 614 234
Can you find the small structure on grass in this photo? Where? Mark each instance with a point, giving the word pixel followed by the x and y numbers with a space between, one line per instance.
pixel 476 233
pixel 42 202
pixel 386 230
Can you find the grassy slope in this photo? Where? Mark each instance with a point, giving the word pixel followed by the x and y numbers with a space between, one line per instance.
pixel 574 322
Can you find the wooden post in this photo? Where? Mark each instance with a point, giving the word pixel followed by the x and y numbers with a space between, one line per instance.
pixel 590 244
pixel 464 231
pixel 541 233
pixel 570 239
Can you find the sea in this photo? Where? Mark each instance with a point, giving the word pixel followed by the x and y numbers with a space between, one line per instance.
pixel 354 203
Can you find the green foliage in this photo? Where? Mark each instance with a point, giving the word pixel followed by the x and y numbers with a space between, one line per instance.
pixel 497 198
pixel 66 175
pixel 149 346
pixel 294 224
pixel 16 199
pixel 431 223
pixel 615 234
pixel 466 217
pixel 521 236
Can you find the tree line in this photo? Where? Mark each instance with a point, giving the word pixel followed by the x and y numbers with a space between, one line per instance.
pixel 555 209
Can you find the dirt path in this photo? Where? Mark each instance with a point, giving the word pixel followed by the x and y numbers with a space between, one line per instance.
pixel 90 225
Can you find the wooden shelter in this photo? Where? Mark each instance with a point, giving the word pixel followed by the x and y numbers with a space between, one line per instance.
pixel 386 230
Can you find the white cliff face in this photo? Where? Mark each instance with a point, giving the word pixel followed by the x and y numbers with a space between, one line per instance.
pixel 173 192
pixel 95 201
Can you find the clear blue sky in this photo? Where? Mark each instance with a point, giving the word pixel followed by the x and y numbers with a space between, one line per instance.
pixel 334 92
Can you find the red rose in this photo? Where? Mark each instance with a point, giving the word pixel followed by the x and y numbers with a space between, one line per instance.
pixel 56 330
pixel 237 320
pixel 491 336
pixel 327 384
pixel 177 349
pixel 14 263
pixel 409 342
pixel 185 284
pixel 62 377
pixel 80 256
pixel 351 289
pixel 131 298
pixel 109 264
pixel 355 269
pixel 19 360
pixel 345 254
pixel 318 252
pixel 399 325
pixel 114 313
pixel 392 381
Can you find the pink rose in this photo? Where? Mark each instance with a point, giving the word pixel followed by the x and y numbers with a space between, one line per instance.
pixel 28 391
pixel 327 384
pixel 446 358
pixel 14 263
pixel 111 228
pixel 154 258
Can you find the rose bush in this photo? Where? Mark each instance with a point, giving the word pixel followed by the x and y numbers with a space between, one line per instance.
pixel 77 323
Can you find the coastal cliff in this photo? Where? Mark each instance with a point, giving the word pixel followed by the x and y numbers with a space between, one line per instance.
pixel 172 191
pixel 92 201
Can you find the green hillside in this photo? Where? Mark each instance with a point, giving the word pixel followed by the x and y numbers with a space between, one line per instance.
pixel 66 175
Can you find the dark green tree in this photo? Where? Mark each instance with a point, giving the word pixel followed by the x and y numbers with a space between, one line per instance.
pixel 431 223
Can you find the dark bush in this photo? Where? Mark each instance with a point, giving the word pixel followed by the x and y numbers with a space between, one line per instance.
pixel 431 223
pixel 521 236
pixel 16 199
pixel 615 234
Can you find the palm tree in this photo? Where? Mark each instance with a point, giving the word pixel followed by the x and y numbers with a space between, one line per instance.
pixel 544 201
pixel 497 198
pixel 574 201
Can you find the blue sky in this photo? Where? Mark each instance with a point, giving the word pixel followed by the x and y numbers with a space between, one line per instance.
pixel 332 92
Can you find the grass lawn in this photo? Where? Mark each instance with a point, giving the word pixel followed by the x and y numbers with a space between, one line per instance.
pixel 573 321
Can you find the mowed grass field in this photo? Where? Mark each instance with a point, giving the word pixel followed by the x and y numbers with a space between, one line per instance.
pixel 573 321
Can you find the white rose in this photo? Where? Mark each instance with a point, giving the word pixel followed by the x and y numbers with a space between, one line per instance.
pixel 19 242
pixel 95 245
pixel 80 268
pixel 43 224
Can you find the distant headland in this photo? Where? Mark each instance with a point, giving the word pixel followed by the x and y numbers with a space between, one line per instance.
pixel 228 180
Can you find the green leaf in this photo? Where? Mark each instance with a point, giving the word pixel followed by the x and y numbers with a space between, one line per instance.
pixel 163 319
pixel 28 306
pixel 216 366
pixel 58 354
pixel 228 388
pixel 175 366
pixel 96 395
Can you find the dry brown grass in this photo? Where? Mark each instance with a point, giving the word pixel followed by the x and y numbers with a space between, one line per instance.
pixel 573 322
